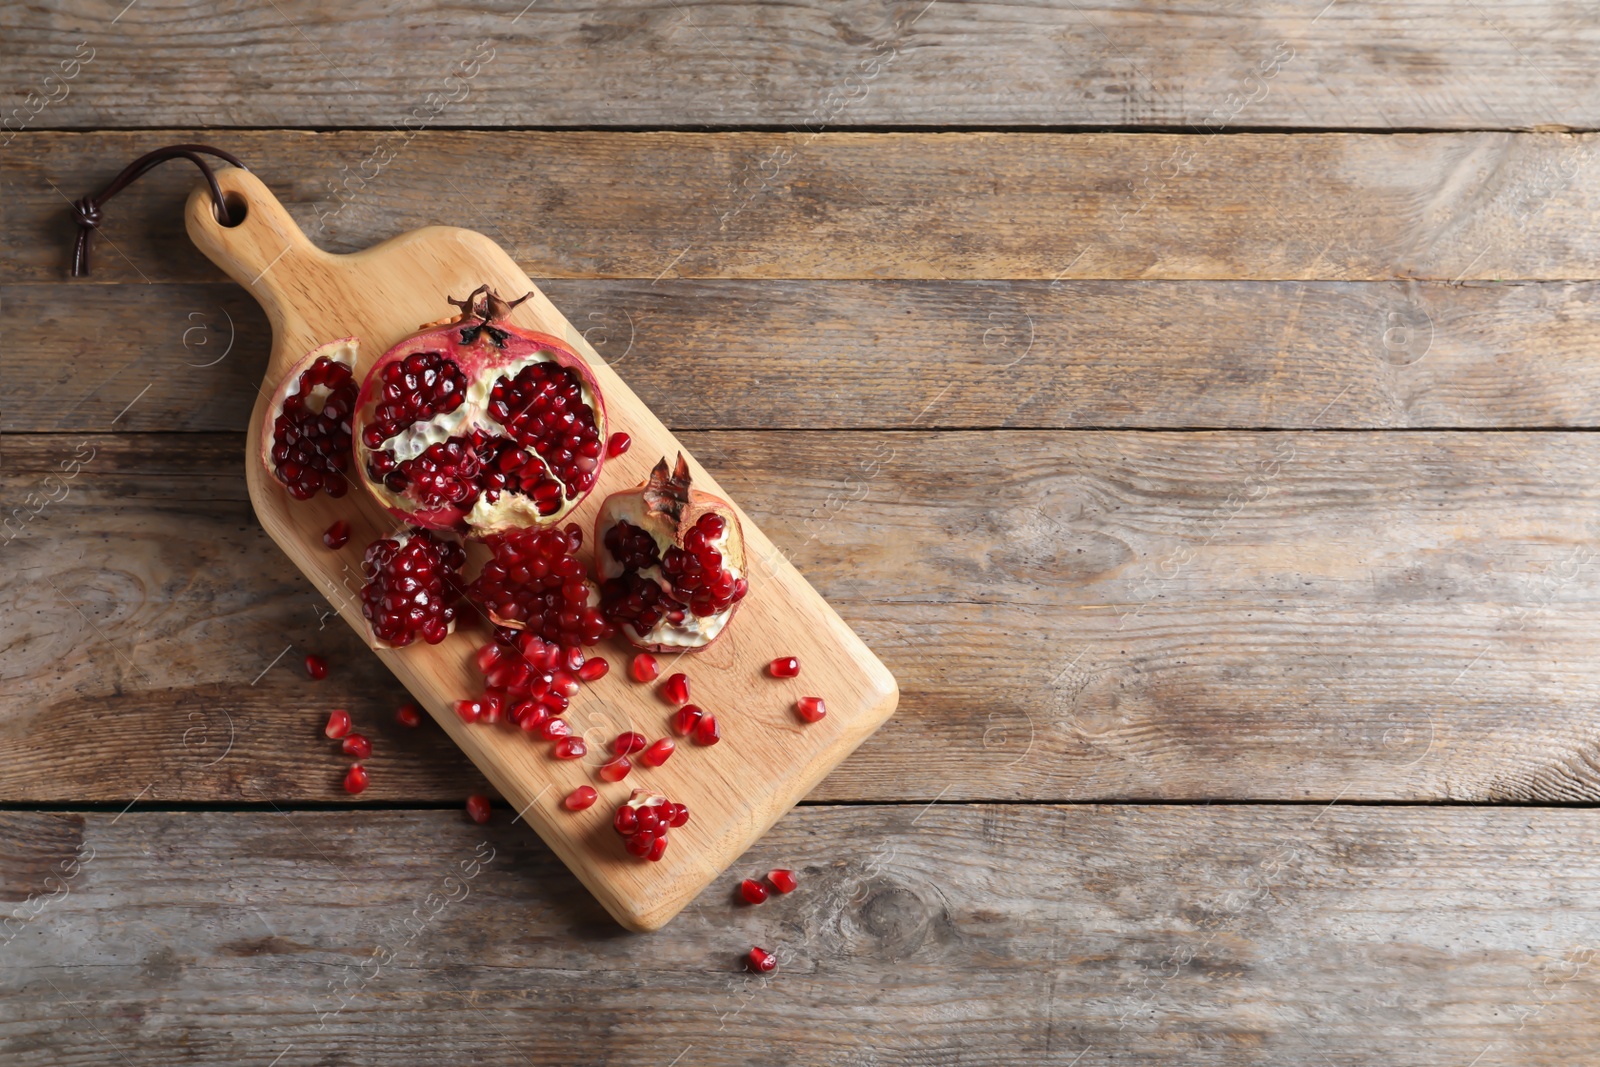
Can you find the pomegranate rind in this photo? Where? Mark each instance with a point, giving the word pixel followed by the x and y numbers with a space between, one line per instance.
pixel 667 507
pixel 345 350
pixel 483 362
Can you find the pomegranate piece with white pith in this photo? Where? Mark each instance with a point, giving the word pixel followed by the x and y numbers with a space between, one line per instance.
pixel 413 588
pixel 476 425
pixel 643 820
pixel 671 560
pixel 534 582
pixel 305 443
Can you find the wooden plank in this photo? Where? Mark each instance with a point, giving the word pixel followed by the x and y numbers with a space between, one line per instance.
pixel 1289 63
pixel 792 354
pixel 1009 935
pixel 1339 207
pixel 1400 616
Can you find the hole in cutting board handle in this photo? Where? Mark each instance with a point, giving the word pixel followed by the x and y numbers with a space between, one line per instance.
pixel 238 208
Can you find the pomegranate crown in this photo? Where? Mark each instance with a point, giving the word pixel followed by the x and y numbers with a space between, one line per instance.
pixel 668 493
pixel 486 306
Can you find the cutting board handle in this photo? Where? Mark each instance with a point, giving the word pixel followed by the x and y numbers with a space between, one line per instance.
pixel 266 252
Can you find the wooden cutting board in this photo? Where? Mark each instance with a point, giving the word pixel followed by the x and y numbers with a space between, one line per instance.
pixel 768 758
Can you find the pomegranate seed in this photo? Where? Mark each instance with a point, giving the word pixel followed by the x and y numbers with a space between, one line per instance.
pixel 675 690
pixel 783 880
pixel 658 848
pixel 706 732
pixel 658 753
pixel 338 723
pixel 616 768
pixel 356 780
pixel 564 683
pixel 762 960
pixel 618 444
pixel 571 748
pixel 554 729
pixel 752 891
pixel 317 668
pixel 478 808
pixel 594 669
pixel 811 709
pixel 408 715
pixel 490 707
pixel 629 743
pixel 469 710
pixel 580 798
pixel 358 746
pixel 337 535
pixel 684 720
pixel 645 668
pixel 784 667
pixel 572 657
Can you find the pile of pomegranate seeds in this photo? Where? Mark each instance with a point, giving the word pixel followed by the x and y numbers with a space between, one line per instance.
pixel 581 798
pixel 413 587
pixel 529 684
pixel 762 960
pixel 478 808
pixel 317 668
pixel 784 667
pixel 643 820
pixel 338 724
pixel 311 434
pixel 536 583
pixel 337 535
pixel 644 668
pixel 675 690
pixel 811 709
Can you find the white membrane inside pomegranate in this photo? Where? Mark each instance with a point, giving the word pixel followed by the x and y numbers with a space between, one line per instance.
pixel 306 441
pixel 480 426
pixel 671 560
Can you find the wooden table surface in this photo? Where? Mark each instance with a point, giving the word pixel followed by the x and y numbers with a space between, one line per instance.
pixel 1190 405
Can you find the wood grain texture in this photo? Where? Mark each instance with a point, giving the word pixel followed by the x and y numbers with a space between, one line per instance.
pixel 791 354
pixel 735 791
pixel 952 935
pixel 1364 63
pixel 1094 615
pixel 1342 207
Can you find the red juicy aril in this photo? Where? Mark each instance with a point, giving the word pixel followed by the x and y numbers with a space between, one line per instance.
pixel 477 425
pixel 643 821
pixel 672 562
pixel 306 440
pixel 527 681
pixel 413 588
pixel 535 583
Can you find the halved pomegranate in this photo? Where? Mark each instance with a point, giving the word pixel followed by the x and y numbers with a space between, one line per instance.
pixel 306 440
pixel 476 425
pixel 413 588
pixel 671 560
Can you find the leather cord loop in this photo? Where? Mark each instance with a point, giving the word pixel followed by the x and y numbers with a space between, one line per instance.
pixel 87 211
